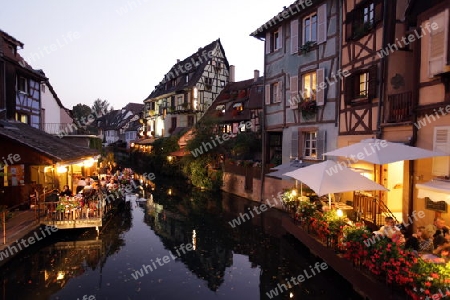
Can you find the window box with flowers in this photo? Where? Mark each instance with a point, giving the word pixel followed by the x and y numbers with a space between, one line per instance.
pixel 308 108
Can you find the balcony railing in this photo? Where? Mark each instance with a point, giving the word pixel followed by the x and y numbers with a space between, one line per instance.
pixel 59 128
pixel 399 108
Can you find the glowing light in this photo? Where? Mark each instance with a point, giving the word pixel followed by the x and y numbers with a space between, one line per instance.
pixel 61 169
pixel 132 145
pixel 47 169
pixel 60 275
pixel 194 239
pixel 169 192
pixel 169 158
pixel 291 295
pixel 294 193
pixel 340 213
pixel 89 162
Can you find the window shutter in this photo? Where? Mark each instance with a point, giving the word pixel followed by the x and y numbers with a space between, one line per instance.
pixel 378 16
pixel 268 42
pixel 349 26
pixel 294 144
pixel 322 24
pixel 280 34
pixel 437 50
pixel 267 92
pixel 372 89
pixel 321 144
pixel 294 99
pixel 301 143
pixel 294 36
pixel 348 89
pixel 279 92
pixel 441 142
pixel 320 93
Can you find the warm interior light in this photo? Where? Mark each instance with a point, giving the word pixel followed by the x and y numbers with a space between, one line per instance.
pixel 89 162
pixel 169 158
pixel 61 169
pixel 60 275
pixel 340 213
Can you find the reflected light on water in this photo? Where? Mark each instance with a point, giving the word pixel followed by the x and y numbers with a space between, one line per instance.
pixel 60 275
pixel 194 239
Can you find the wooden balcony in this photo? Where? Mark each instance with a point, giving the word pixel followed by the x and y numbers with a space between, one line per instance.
pixel 398 108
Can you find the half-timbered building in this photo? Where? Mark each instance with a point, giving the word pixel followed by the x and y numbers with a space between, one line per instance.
pixel 186 92
pixel 432 106
pixel 302 77
pixel 390 86
pixel 20 84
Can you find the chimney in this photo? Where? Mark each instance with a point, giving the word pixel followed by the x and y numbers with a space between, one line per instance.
pixel 255 75
pixel 232 73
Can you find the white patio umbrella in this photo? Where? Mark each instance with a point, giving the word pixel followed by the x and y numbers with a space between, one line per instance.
pixel 381 152
pixel 329 177
pixel 287 167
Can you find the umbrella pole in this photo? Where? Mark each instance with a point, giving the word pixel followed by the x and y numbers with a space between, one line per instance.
pixel 329 201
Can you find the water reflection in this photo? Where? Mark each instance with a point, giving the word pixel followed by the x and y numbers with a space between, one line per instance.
pixel 244 262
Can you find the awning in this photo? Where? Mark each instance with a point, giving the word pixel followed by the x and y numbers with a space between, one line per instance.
pixel 436 190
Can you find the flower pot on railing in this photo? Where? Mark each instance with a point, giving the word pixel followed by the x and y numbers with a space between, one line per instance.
pixel 308 108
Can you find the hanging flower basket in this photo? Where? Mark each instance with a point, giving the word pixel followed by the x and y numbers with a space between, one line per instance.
pixel 308 108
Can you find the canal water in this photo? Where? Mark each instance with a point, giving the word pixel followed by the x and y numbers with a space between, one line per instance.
pixel 178 246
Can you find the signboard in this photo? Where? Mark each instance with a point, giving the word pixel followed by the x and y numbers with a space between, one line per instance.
pixel 440 206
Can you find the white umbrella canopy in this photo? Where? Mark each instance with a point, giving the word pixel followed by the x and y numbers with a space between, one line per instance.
pixel 381 152
pixel 329 177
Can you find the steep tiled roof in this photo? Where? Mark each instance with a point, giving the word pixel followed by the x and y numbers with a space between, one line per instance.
pixel 118 118
pixel 248 92
pixel 194 74
pixel 56 148
pixel 7 41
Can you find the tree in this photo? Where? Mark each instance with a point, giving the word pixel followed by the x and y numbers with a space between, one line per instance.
pixel 101 107
pixel 80 114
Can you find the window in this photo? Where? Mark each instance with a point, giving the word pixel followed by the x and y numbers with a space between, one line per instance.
pixel 274 92
pixel 363 89
pixel 310 145
pixel 274 40
pixel 309 85
pixel 363 18
pixel 190 121
pixel 22 84
pixel 361 86
pixel 222 83
pixel 310 28
pixel 22 118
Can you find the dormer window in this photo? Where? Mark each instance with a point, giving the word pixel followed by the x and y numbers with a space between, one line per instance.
pixel 22 84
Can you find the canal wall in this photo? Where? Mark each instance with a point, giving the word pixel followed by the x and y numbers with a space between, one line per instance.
pixel 249 186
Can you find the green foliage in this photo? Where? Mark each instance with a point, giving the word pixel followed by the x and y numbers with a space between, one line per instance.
pixel 101 107
pixel 95 143
pixel 80 112
pixel 243 145
pixel 203 132
pixel 198 171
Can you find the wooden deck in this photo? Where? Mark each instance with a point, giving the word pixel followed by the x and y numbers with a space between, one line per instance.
pixel 73 224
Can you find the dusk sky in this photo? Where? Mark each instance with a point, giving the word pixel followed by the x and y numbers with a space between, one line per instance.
pixel 119 50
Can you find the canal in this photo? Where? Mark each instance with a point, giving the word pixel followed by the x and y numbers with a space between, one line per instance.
pixel 178 246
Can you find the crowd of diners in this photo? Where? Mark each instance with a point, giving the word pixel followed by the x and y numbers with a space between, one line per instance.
pixel 431 242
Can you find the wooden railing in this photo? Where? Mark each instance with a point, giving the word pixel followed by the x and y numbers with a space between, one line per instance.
pixel 371 209
pixel 398 108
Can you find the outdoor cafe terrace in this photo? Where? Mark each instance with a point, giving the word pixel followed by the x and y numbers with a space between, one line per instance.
pixel 402 270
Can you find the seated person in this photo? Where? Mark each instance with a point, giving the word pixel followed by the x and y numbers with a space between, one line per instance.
pixel 441 255
pixel 437 229
pixel 66 191
pixel 80 185
pixel 421 241
pixel 391 231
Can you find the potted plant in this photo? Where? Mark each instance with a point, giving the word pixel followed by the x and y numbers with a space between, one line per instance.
pixel 308 108
pixel 306 47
